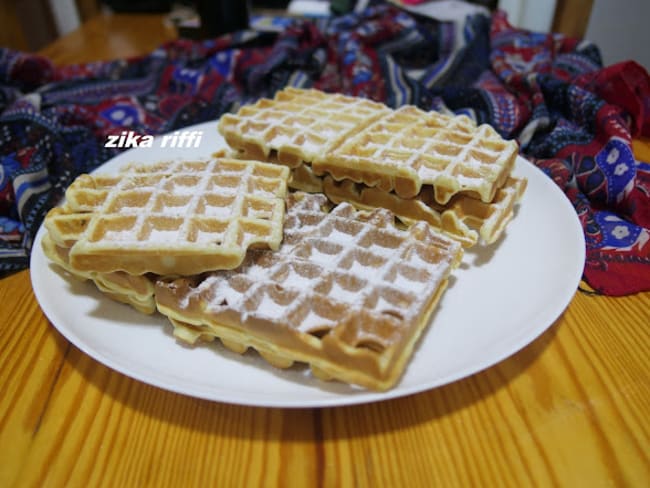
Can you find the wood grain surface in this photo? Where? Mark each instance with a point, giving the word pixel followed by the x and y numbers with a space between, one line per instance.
pixel 570 409
pixel 107 37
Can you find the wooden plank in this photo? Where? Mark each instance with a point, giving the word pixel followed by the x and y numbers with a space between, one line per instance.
pixel 572 17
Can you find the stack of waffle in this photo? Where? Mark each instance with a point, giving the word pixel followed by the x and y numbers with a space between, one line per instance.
pixel 420 165
pixel 347 293
pixel 173 218
pixel 342 274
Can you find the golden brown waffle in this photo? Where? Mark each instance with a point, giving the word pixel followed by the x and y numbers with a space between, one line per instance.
pixel 303 178
pixel 410 148
pixel 464 218
pixel 297 125
pixel 135 290
pixel 395 150
pixel 347 292
pixel 178 217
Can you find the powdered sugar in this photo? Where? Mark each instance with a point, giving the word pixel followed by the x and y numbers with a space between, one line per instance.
pixel 358 269
pixel 174 207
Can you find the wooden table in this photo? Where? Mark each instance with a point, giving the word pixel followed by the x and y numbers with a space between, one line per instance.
pixel 571 409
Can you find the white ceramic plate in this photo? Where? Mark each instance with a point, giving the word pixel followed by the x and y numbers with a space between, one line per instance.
pixel 500 299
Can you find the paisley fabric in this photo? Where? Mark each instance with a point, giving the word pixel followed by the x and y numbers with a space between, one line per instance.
pixel 572 117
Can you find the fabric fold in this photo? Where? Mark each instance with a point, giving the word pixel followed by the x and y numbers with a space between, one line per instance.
pixel 572 117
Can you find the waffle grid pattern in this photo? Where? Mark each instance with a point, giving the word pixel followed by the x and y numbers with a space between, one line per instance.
pixel 194 209
pixel 352 138
pixel 350 279
pixel 297 125
pixel 449 153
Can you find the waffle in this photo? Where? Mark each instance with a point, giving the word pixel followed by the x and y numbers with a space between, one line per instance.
pixel 135 290
pixel 348 293
pixel 297 125
pixel 303 179
pixel 409 148
pixel 398 150
pixel 178 217
pixel 464 218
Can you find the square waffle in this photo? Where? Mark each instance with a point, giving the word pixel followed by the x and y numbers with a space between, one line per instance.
pixel 409 148
pixel 297 125
pixel 348 292
pixel 177 217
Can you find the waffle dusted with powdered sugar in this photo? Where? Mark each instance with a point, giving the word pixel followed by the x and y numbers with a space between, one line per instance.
pixel 177 217
pixel 297 125
pixel 408 149
pixel 347 292
pixel 352 138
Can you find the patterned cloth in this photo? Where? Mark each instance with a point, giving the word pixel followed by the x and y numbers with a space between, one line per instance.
pixel 573 118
